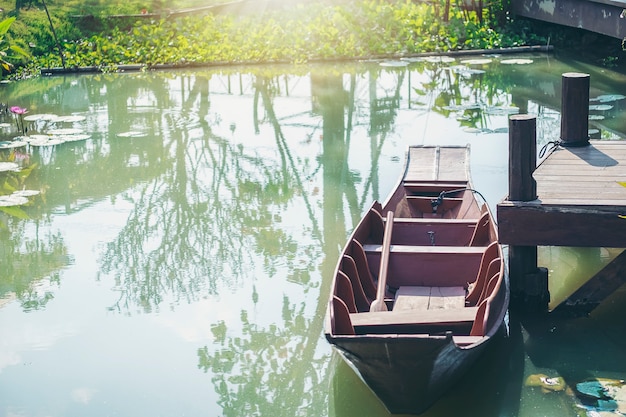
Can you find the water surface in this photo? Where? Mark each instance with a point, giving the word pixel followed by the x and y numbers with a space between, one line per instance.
pixel 177 261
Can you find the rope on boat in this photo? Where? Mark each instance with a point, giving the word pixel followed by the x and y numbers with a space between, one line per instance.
pixel 439 200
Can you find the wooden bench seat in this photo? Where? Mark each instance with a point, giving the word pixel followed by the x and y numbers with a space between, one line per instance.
pixel 440 250
pixel 413 317
pixel 428 266
pixel 429 298
pixel 432 231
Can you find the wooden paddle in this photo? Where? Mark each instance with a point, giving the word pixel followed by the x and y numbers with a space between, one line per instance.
pixel 379 303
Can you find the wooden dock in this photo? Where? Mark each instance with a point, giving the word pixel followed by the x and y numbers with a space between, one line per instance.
pixel 579 200
pixel 572 198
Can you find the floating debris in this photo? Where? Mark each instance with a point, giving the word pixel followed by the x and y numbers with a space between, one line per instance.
pixel 596 117
pixel 546 383
pixel 602 395
pixel 9 166
pixel 517 61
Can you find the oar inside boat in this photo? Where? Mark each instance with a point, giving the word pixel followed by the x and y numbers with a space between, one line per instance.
pixel 379 303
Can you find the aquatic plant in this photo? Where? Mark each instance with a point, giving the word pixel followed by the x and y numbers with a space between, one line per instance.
pixel 19 113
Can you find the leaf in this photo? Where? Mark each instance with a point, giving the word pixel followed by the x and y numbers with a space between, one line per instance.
pixel 15 212
pixel 622 183
pixel 5 25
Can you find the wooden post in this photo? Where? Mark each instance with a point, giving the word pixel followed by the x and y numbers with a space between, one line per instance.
pixel 529 284
pixel 522 157
pixel 575 109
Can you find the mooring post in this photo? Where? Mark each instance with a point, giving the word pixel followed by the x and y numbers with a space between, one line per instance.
pixel 575 109
pixel 529 284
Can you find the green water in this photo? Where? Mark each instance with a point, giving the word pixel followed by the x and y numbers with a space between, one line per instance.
pixel 177 262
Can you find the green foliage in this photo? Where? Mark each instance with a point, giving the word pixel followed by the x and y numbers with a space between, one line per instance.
pixel 9 53
pixel 296 32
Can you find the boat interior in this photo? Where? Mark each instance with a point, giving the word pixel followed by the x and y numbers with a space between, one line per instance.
pixel 431 266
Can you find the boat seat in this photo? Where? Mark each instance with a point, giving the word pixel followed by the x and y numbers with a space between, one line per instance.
pixel 429 298
pixel 444 250
pixel 429 266
pixel 371 320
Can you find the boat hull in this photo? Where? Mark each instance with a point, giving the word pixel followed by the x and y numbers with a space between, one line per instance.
pixel 408 375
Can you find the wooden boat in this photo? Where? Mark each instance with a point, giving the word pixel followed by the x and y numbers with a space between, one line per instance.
pixel 420 288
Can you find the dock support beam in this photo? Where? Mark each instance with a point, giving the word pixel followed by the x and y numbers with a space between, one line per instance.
pixel 529 284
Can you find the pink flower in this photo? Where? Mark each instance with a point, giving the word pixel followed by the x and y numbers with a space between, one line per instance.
pixel 18 110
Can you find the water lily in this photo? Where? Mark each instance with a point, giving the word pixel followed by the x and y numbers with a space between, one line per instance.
pixel 18 110
pixel 19 113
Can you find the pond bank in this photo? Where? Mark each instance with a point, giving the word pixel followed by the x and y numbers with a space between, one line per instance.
pixel 144 67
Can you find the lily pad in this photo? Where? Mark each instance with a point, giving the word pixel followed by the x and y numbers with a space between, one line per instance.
pixel 5 125
pixel 600 107
pixel 26 193
pixel 439 59
pixel 11 200
pixel 132 134
pixel 69 131
pixel 394 64
pixel 607 98
pixel 43 116
pixel 70 119
pixel 31 138
pixel 499 110
pixel 9 166
pixel 477 61
pixel 73 138
pixel 10 144
pixel 46 142
pixel 516 61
